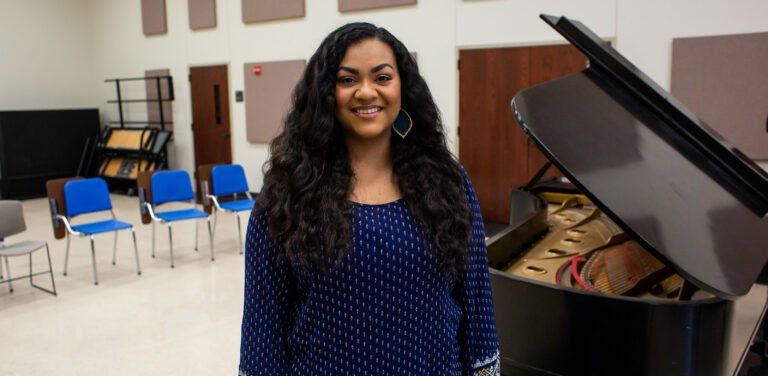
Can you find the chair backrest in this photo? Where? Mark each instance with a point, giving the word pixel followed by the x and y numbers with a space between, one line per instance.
pixel 169 186
pixel 11 218
pixel 55 190
pixel 86 196
pixel 228 179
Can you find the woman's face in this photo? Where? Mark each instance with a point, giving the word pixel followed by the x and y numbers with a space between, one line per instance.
pixel 368 90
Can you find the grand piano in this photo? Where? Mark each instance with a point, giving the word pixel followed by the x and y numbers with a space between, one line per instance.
pixel 643 259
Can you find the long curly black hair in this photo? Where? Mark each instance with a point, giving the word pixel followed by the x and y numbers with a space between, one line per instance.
pixel 307 180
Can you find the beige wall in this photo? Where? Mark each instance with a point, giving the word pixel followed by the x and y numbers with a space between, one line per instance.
pixel 46 55
pixel 61 51
pixel 125 51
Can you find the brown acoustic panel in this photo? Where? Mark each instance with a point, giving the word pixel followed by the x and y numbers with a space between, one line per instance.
pixel 266 10
pixel 153 109
pixel 202 14
pixel 55 191
pixel 724 81
pixel 353 5
pixel 153 17
pixel 268 88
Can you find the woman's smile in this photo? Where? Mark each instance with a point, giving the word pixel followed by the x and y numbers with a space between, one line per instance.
pixel 367 112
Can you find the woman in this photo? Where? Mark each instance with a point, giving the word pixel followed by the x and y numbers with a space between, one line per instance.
pixel 365 252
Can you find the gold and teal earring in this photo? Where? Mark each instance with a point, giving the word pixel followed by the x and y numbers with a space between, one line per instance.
pixel 403 123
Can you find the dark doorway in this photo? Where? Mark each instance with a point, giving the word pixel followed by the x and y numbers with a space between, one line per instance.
pixel 210 116
pixel 492 147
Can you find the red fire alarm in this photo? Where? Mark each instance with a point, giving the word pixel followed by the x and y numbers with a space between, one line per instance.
pixel 257 70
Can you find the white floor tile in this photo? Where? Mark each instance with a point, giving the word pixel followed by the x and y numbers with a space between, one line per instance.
pixel 181 321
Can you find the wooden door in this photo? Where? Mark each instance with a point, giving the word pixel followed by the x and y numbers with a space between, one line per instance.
pixel 210 116
pixel 492 147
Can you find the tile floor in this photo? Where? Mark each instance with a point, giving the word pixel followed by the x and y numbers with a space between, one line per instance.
pixel 181 321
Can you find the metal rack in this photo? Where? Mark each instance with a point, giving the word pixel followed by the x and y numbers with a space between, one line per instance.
pixel 160 100
pixel 127 148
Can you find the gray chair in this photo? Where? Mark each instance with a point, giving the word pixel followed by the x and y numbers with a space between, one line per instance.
pixel 12 223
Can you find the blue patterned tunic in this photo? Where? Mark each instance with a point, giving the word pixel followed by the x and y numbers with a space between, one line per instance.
pixel 387 310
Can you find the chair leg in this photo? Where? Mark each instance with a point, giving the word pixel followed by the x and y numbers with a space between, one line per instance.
pixel 210 237
pixel 196 234
pixel 170 241
pixel 66 255
pixel 153 239
pixel 215 219
pixel 239 233
pixel 50 271
pixel 136 251
pixel 50 268
pixel 1 272
pixel 114 250
pixel 8 271
pixel 93 258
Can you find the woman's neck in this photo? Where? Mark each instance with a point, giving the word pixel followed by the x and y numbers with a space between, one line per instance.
pixel 374 181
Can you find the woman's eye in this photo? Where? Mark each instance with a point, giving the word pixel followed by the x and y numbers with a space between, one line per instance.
pixel 345 80
pixel 383 78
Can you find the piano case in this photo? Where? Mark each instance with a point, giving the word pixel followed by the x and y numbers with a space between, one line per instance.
pixel 665 181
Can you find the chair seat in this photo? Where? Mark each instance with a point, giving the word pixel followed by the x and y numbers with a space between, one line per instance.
pixel 180 215
pixel 236 206
pixel 21 248
pixel 103 226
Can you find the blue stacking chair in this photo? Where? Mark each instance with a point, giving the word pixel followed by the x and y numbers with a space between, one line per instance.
pixel 230 179
pixel 174 186
pixel 91 196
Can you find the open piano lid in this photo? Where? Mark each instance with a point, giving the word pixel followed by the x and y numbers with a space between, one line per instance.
pixel 654 168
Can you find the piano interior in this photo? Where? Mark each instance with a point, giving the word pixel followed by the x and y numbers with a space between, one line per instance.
pixel 572 243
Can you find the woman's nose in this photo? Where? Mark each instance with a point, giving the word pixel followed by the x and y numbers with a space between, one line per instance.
pixel 366 91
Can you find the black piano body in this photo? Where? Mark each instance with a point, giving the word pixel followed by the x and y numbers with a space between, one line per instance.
pixel 672 186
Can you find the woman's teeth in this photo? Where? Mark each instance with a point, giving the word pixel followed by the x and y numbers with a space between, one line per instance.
pixel 366 111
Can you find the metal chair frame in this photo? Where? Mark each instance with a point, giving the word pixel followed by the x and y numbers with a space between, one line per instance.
pixel 31 274
pixel 106 205
pixel 151 208
pixel 18 225
pixel 226 179
pixel 218 207
pixel 71 232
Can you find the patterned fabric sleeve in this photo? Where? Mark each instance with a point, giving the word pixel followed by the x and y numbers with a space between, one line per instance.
pixel 269 289
pixel 477 331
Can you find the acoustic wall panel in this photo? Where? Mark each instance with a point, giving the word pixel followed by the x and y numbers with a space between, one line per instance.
pixel 202 14
pixel 153 17
pixel 153 109
pixel 266 10
pixel 353 5
pixel 724 81
pixel 268 89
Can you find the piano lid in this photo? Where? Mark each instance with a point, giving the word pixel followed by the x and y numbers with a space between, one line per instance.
pixel 659 172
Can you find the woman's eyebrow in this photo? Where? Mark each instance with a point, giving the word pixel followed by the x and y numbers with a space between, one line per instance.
pixel 373 70
pixel 348 69
pixel 380 67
